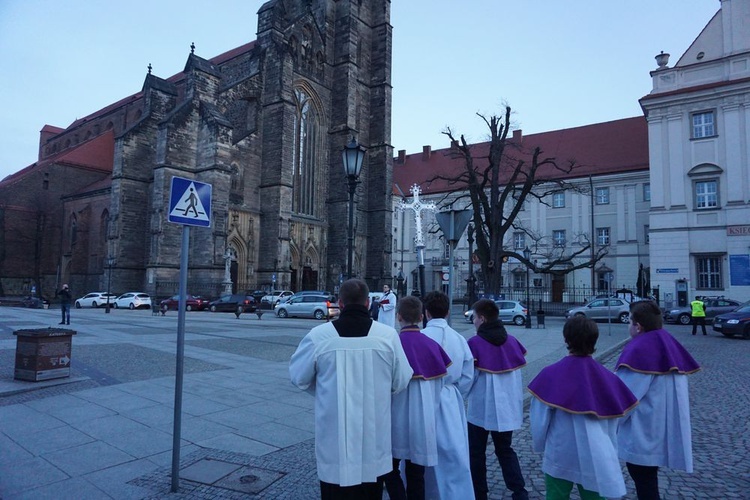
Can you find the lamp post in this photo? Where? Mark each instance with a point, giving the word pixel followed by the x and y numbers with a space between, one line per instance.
pixel 527 256
pixel 110 264
pixel 400 283
pixel 352 155
pixel 470 282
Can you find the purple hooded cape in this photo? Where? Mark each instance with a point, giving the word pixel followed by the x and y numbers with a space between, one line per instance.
pixel 497 358
pixel 579 384
pixel 426 357
pixel 657 353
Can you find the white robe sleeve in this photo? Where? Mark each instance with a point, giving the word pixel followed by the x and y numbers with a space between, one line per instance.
pixel 402 371
pixel 467 372
pixel 391 302
pixel 540 416
pixel 302 365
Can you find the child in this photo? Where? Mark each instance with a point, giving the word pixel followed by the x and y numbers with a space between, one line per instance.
pixel 413 411
pixel 495 400
pixel 574 415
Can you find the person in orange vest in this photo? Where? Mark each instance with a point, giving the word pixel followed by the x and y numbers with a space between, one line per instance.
pixel 698 314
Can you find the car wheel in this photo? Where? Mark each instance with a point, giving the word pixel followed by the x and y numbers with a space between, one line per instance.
pixel 94 304
pixel 470 318
pixel 729 335
pixel 519 321
pixel 282 313
pixel 624 318
pixel 78 305
pixel 188 307
pixel 115 305
pixel 213 309
pixel 580 315
pixel 319 314
pixel 131 306
pixel 684 319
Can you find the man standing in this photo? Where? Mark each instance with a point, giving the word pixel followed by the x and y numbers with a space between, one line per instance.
pixel 65 298
pixel 352 365
pixel 451 477
pixel 698 314
pixel 387 314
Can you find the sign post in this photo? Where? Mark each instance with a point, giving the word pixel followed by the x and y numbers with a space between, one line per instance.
pixel 189 205
pixel 453 224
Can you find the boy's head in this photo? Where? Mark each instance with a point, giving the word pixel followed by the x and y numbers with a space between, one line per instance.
pixel 436 304
pixel 485 310
pixel 353 291
pixel 409 311
pixel 645 316
pixel 580 334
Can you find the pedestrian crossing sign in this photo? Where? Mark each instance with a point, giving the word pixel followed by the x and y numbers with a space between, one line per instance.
pixel 190 202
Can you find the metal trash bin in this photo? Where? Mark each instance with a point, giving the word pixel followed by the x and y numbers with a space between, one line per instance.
pixel 540 319
pixel 43 354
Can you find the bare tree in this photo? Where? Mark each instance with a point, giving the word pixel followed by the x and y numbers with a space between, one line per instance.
pixel 497 182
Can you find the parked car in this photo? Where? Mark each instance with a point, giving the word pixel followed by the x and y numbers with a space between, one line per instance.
pixel 231 302
pixel 714 306
pixel 133 300
pixel 734 323
pixel 511 311
pixel 609 309
pixel 274 298
pixel 308 306
pixel 35 303
pixel 192 303
pixel 94 299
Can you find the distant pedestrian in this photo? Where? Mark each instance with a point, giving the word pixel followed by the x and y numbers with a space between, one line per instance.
pixel 65 298
pixel 574 413
pixel 495 400
pixel 352 365
pixel 657 433
pixel 374 308
pixel 698 314
pixel 387 304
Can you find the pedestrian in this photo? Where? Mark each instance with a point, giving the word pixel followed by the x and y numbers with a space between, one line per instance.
pixel 414 411
pixel 451 477
pixel 65 298
pixel 698 314
pixel 495 400
pixel 352 366
pixel 574 414
pixel 657 434
pixel 387 304
pixel 374 307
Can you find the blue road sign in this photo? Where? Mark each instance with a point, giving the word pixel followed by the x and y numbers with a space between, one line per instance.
pixel 190 202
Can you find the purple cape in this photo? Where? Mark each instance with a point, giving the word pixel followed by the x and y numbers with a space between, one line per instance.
pixel 426 357
pixel 657 353
pixel 497 358
pixel 579 384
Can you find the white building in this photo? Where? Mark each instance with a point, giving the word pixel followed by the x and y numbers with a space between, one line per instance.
pixel 699 152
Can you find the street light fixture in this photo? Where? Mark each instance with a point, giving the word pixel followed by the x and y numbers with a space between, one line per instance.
pixel 352 155
pixel 110 264
pixel 527 256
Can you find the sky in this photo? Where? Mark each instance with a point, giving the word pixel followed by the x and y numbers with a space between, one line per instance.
pixel 557 64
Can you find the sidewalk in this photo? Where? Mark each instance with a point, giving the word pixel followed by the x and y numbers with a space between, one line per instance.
pixel 107 431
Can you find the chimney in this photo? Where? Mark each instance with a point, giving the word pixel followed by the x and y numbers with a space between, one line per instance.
pixel 426 151
pixel 402 156
pixel 454 145
pixel 518 136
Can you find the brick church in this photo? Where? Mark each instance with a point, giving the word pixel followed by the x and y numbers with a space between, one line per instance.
pixel 264 124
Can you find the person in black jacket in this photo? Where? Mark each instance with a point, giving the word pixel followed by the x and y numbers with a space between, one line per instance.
pixel 65 298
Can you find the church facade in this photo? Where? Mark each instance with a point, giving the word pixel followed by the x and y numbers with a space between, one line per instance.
pixel 264 124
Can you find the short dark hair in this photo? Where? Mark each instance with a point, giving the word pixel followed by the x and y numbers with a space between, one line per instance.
pixel 436 303
pixel 487 309
pixel 410 309
pixel 580 334
pixel 647 314
pixel 354 291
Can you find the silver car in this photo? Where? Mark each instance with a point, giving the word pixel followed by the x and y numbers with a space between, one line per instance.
pixel 308 306
pixel 511 311
pixel 609 309
pixel 713 307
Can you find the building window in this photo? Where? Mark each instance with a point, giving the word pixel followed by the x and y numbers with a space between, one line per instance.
pixel 645 234
pixel 306 139
pixel 708 270
pixel 647 192
pixel 447 251
pixel 604 281
pixel 602 196
pixel 519 280
pixel 558 200
pixel 519 241
pixel 558 237
pixel 602 236
pixel 706 194
pixel 703 125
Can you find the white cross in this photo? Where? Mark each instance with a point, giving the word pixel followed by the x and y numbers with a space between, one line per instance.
pixel 418 207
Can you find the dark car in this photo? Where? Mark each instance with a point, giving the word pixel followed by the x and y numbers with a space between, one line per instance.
pixel 35 303
pixel 192 303
pixel 231 303
pixel 713 306
pixel 734 323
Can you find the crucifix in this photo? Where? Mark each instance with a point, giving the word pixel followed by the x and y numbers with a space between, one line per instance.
pixel 418 207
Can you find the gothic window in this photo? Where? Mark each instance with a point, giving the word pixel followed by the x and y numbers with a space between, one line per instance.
pixel 236 178
pixel 73 230
pixel 306 139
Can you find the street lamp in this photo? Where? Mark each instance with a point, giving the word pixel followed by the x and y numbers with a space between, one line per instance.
pixel 110 264
pixel 527 256
pixel 470 282
pixel 352 155
pixel 400 283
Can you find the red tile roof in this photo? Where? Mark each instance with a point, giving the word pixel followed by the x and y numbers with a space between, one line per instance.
pixel 598 149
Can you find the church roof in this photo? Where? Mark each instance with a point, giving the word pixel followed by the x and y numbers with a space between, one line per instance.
pixel 599 149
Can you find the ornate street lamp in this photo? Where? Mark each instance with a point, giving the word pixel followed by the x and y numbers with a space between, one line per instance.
pixel 527 256
pixel 352 155
pixel 110 265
